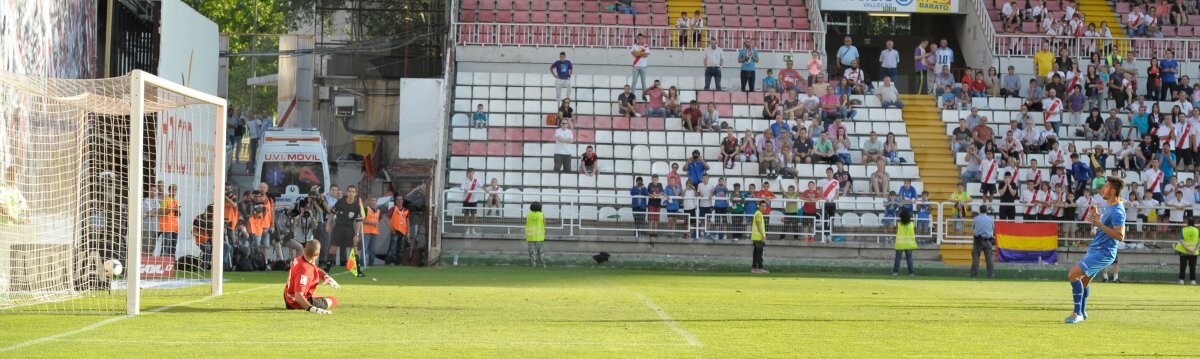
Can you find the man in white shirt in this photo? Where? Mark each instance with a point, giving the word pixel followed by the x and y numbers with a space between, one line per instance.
pixel 1184 136
pixel 855 76
pixel 564 146
pixel 641 54
pixel 713 62
pixel 829 192
pixel 1055 70
pixel 1177 206
pixel 944 56
pixel 472 194
pixel 888 96
pixel 1134 20
pixel 1154 180
pixel 889 59
pixel 1052 108
pixel 1182 102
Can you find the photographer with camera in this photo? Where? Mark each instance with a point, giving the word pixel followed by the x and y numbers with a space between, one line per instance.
pixel 309 215
pixel 258 217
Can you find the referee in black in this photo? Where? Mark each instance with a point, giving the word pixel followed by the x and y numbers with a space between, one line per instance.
pixel 985 234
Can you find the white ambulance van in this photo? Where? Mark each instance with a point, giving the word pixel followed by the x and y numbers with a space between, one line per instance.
pixel 291 161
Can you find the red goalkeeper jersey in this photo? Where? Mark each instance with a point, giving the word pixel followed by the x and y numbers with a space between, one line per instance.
pixel 303 276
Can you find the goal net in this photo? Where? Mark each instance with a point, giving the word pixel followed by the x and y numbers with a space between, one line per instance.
pixel 107 185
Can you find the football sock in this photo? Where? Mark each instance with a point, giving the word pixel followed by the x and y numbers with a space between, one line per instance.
pixel 1077 295
pixel 1087 291
pixel 1115 275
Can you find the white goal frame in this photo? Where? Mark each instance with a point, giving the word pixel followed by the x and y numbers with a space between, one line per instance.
pixel 137 135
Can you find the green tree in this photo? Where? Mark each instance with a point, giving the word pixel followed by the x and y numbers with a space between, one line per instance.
pixel 241 19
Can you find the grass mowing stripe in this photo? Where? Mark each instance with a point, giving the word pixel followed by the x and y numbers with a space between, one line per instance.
pixel 108 321
pixel 365 342
pixel 666 318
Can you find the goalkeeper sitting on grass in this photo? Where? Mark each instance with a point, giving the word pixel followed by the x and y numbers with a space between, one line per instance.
pixel 302 282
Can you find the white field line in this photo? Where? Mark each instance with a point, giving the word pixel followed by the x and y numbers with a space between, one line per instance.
pixel 666 318
pixel 108 321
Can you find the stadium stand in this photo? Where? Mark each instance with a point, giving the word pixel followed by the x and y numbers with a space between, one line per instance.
pixel 517 147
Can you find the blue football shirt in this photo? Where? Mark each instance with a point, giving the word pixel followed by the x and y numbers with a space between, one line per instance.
pixel 1112 216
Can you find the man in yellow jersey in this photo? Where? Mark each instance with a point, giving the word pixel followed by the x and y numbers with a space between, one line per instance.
pixel 1043 61
pixel 758 234
pixel 1188 248
pixel 535 233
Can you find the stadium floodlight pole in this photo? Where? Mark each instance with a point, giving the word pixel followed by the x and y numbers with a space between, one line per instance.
pixel 137 134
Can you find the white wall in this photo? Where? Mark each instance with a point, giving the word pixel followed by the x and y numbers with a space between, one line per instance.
pixel 188 52
pixel 422 118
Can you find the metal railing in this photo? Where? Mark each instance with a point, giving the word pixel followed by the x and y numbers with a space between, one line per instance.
pixel 987 30
pixel 1013 45
pixel 577 214
pixel 611 36
pixel 817 22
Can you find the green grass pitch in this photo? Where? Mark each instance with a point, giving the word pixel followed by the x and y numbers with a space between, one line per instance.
pixel 492 312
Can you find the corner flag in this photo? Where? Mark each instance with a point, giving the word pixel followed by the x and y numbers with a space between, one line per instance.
pixel 352 265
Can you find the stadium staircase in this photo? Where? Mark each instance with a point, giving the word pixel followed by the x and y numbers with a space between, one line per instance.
pixel 935 161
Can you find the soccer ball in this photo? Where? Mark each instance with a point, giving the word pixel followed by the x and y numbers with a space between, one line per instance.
pixel 113 268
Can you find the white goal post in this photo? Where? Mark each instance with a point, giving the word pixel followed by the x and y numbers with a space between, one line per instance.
pixel 103 175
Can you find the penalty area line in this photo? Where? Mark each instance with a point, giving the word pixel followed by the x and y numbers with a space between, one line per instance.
pixel 666 318
pixel 108 321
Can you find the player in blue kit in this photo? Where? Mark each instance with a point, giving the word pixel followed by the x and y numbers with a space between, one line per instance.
pixel 1110 230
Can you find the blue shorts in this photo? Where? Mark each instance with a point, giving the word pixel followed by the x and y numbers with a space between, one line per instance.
pixel 1094 262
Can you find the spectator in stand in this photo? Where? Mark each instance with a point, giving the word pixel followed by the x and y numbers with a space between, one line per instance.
pixel 1112 126
pixel 654 204
pixel 993 82
pixel 641 55
pixel 944 81
pixel 565 111
pixel 479 118
pixel 819 85
pixel 872 149
pixel 1012 84
pixel 729 149
pixel 1128 153
pixel 830 104
pixel 625 103
pixel 1118 89
pixel 1095 88
pixel 823 149
pixel 748 148
pixel 711 117
pixel 947 99
pixel 974 118
pixel 943 57
pixel 802 147
pixel 1081 173
pixel 1178 14
pixel 846 109
pixel 654 103
pixel 624 7
pixel 814 66
pixel 1093 127
pixel 638 198
pixel 972 171
pixel 983 133
pixel 770 82
pixel 713 62
pixel 979 84
pixel 770 105
pixel 768 162
pixel 789 78
pixel 891 149
pixel 673 107
pixel 1011 147
pixel 1170 80
pixel 696 28
pixel 887 94
pixel 921 65
pixel 1154 80
pixel 587 163
pixel 845 181
pixel 1152 25
pixel 564 147
pixel 791 111
pixel 880 180
pixel 889 59
pixel 1052 108
pixel 748 58
pixel 1043 60
pixel 960 138
pixel 1076 102
pixel 696 167
pixel 856 78
pixel 562 70
pixel 846 54
pixel 691 117
pixel 682 25
pixel 1010 16
pixel 1033 96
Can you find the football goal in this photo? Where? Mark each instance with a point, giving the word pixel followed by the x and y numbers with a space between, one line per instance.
pixel 108 185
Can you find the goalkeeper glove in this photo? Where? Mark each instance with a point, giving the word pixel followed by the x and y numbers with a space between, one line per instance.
pixel 315 310
pixel 332 283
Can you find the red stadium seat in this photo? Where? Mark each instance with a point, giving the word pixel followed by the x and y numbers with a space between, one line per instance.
pixel 746 10
pixel 660 20
pixel 574 6
pixel 716 21
pixel 503 4
pixel 459 148
pixel 469 5
pixel 486 16
pixel 574 18
pixel 504 17
pixel 729 10
pixel 722 98
pixel 764 11
pixel 521 17
pixel 638 123
pixel 467 16
pixel 642 8
pixel 495 149
pixel 1029 27
pixel 538 5
pixel 658 8
pixel 591 6
pixel 800 23
pixel 739 98
pixel 555 18
pixel 557 5
pixel 608 19
pixel 521 5
pixel 1169 31
pixel 625 19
